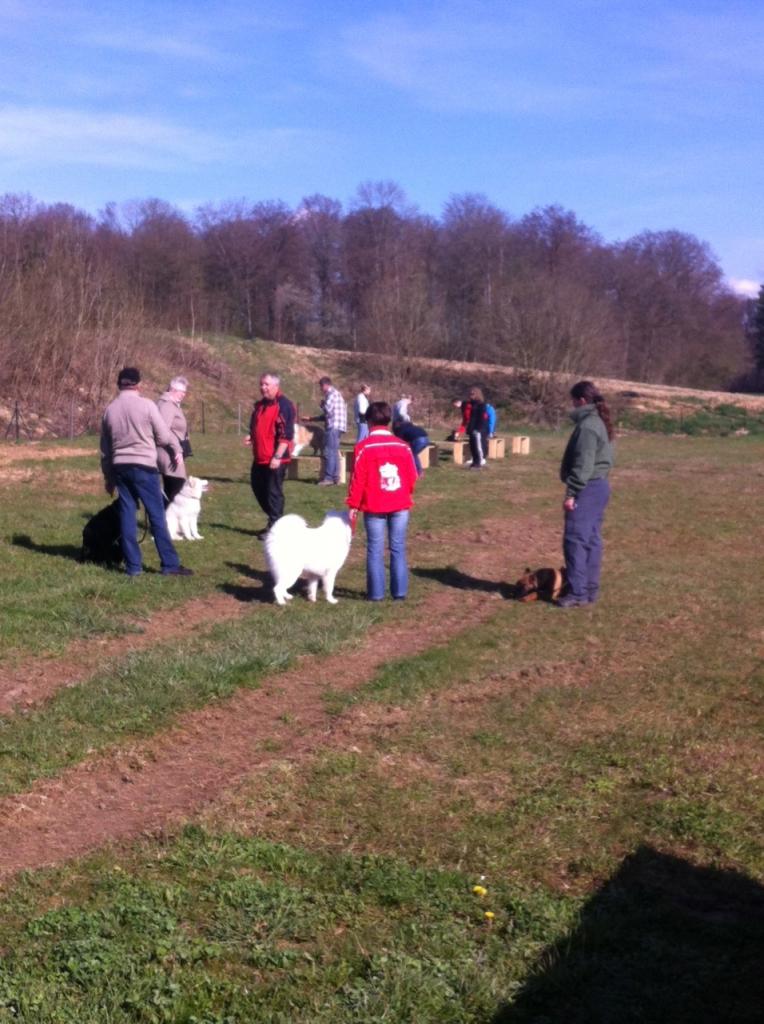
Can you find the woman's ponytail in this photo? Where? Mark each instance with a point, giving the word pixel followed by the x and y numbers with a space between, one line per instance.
pixel 587 390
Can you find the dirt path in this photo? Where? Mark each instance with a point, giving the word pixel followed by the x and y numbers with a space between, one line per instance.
pixel 39 678
pixel 35 451
pixel 32 451
pixel 121 795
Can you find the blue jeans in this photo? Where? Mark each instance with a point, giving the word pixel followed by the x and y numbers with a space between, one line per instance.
pixel 363 431
pixel 136 483
pixel 395 525
pixel 332 455
pixel 418 445
pixel 582 540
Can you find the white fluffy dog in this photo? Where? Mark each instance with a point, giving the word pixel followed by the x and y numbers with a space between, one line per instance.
pixel 293 549
pixel 182 513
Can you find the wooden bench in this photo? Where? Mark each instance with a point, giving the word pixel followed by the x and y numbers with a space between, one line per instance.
pixel 311 467
pixel 458 450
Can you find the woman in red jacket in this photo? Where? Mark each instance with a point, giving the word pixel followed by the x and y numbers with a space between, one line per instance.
pixel 384 476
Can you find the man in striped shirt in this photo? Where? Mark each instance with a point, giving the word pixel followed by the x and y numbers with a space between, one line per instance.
pixel 335 415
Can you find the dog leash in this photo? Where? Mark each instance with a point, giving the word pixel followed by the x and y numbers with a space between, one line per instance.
pixel 145 524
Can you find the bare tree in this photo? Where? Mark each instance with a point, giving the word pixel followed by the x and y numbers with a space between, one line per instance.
pixel 473 268
pixel 249 253
pixel 165 264
pixel 320 222
pixel 678 321
pixel 542 293
pixel 66 317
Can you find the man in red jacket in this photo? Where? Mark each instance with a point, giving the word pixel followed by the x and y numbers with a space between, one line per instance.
pixel 383 481
pixel 271 435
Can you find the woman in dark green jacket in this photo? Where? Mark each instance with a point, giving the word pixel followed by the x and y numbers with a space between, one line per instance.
pixel 586 464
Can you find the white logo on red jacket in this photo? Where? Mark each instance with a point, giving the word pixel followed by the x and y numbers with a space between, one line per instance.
pixel 388 477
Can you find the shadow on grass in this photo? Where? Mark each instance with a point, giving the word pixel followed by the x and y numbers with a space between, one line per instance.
pixel 73 551
pixel 346 592
pixel 252 574
pixel 661 941
pixel 449 576
pixel 235 529
pixel 263 593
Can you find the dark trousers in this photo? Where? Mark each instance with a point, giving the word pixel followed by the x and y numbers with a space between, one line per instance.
pixel 268 488
pixel 582 540
pixel 478 446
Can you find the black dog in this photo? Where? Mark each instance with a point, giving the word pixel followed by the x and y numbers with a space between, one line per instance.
pixel 101 537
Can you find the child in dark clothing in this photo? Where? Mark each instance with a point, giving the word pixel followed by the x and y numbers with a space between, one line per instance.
pixel 415 437
pixel 477 428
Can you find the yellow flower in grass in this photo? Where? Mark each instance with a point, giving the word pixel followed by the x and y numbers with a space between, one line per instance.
pixel 489 915
pixel 479 890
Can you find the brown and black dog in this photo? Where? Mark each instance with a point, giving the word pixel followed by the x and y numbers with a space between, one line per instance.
pixel 541 585
pixel 308 435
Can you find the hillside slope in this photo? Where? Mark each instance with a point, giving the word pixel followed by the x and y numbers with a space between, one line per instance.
pixel 224 375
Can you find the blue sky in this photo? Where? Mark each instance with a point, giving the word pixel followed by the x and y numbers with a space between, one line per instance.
pixel 635 115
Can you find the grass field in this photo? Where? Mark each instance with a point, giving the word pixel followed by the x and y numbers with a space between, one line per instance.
pixel 597 772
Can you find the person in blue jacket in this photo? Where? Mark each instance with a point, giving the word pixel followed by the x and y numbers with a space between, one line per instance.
pixel 491 412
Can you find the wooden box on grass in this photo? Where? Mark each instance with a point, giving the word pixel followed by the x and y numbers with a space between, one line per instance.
pixel 458 450
pixel 304 467
pixel 496 448
pixel 429 456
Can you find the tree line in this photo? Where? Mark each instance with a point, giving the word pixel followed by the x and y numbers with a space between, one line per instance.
pixel 542 291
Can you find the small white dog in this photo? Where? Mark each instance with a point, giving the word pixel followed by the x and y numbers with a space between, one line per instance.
pixel 182 513
pixel 293 549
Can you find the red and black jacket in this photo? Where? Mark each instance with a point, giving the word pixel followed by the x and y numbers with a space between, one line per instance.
pixel 272 423
pixel 466 414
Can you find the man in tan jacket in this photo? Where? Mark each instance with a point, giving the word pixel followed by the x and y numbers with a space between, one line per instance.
pixel 130 432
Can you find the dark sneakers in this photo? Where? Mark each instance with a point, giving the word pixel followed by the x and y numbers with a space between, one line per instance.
pixel 571 601
pixel 180 571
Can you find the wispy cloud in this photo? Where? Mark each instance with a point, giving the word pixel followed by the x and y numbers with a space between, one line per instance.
pixel 561 57
pixel 151 44
pixel 482 65
pixel 47 135
pixel 109 140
